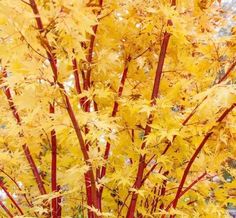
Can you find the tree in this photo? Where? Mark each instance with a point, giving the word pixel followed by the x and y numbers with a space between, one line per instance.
pixel 116 108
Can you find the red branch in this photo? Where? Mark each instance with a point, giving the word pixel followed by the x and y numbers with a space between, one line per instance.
pixel 82 144
pixel 14 181
pixel 10 197
pixel 187 188
pixel 115 110
pixel 160 65
pixel 232 66
pixel 91 46
pixel 194 156
pixel 163 189
pixel 34 169
pixel 76 76
pixel 113 114
pixel 153 203
pixel 197 106
pixel 53 165
pixel 155 92
pixel 25 147
pixel 85 104
pixel 148 173
pixel 6 210
pixel 45 43
pixel 59 203
pixel 52 60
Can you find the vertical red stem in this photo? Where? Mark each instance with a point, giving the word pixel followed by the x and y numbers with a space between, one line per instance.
pixel 89 176
pixel 85 107
pixel 76 76
pixel 53 165
pixel 59 203
pixel 163 189
pixel 85 103
pixel 114 112
pixel 155 91
pixel 91 47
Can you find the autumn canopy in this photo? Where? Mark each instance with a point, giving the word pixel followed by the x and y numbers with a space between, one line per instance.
pixel 113 108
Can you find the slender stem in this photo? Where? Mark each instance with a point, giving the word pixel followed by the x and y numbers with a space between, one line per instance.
pixel 154 199
pixel 192 184
pixel 155 92
pixel 14 181
pixel 150 160
pixel 115 110
pixel 91 46
pixel 194 156
pixel 163 189
pixel 37 16
pixel 148 173
pixel 59 203
pixel 186 120
pixel 76 76
pixel 79 135
pixel 6 210
pixel 10 100
pixel 34 169
pixel 160 65
pixel 232 66
pixel 124 204
pixel 52 60
pixel 53 165
pixel 25 147
pixel 89 193
pixel 45 43
pixel 85 103
pixel 188 188
pixel 10 197
pixel 129 193
pixel 85 106
pixel 113 114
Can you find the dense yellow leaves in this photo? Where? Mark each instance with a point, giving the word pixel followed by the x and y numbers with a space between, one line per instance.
pixel 94 62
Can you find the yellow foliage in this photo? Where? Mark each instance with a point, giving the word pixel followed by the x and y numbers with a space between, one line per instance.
pixel 123 102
